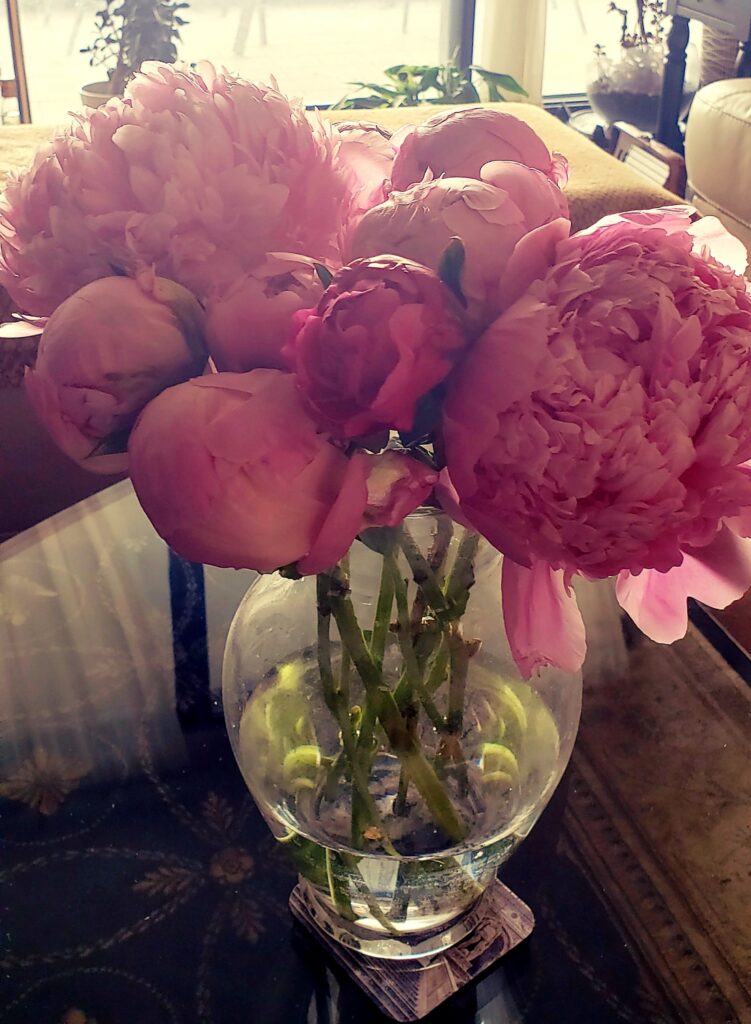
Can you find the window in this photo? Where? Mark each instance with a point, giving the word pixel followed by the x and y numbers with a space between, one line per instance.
pixel 313 47
pixel 574 28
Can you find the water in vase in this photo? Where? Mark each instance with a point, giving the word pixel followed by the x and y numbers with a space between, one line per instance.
pixel 376 855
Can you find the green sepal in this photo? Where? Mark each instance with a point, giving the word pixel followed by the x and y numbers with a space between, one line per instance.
pixel 451 266
pixel 381 539
pixel 290 572
pixel 324 274
pixel 115 443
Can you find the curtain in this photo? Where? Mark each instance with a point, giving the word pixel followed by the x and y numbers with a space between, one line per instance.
pixel 510 39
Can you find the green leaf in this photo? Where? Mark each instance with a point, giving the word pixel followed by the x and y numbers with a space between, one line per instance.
pixel 468 94
pixel 380 90
pixel 430 79
pixel 451 266
pixel 500 81
pixel 412 70
pixel 361 103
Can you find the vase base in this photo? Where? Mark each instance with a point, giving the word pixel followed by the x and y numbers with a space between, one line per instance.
pixel 408 985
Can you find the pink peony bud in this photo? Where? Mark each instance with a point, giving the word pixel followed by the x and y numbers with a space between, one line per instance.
pixel 107 351
pixel 232 471
pixel 248 324
pixel 384 334
pixel 364 156
pixel 397 485
pixel 459 143
pixel 491 219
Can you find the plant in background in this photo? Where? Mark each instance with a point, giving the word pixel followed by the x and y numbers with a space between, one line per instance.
pixel 411 84
pixel 627 86
pixel 649 26
pixel 132 31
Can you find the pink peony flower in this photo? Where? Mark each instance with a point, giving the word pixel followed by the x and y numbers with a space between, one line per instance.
pixel 198 174
pixel 602 425
pixel 107 351
pixel 249 322
pixel 491 218
pixel 397 485
pixel 364 156
pixel 459 143
pixel 232 471
pixel 384 334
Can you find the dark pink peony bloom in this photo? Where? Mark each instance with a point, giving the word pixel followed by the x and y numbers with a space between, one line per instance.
pixel 385 333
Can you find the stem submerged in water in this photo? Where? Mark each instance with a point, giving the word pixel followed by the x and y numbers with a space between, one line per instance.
pixel 402 741
pixel 338 705
pixel 432 649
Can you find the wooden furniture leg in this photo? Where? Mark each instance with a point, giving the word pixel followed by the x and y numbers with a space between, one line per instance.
pixel 668 131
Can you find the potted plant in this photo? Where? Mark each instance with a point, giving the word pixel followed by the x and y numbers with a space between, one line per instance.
pixel 628 86
pixel 128 33
pixel 409 85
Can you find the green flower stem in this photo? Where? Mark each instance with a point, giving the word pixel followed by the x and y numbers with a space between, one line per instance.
pixel 404 632
pixel 459 657
pixel 438 668
pixel 423 574
pixel 405 746
pixel 400 800
pixel 440 548
pixel 365 894
pixel 338 707
pixel 411 686
pixel 382 619
pixel 339 895
pixel 463 572
pixel 408 705
pixel 344 671
pixel 451 605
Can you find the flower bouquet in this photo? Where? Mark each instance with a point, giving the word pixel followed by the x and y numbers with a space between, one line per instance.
pixel 382 372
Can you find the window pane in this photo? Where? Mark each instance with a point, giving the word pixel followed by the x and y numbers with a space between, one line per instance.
pixel 313 47
pixel 574 28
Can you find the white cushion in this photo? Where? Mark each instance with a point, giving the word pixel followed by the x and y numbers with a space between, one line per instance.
pixel 718 154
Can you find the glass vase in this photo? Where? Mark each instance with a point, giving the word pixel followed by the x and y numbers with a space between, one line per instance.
pixel 386 735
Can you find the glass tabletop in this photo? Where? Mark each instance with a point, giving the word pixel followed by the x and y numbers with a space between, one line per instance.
pixel 139 884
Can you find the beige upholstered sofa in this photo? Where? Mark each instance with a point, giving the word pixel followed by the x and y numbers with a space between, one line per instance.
pixel 718 154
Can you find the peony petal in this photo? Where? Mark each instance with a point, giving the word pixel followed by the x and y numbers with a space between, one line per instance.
pixel 717 575
pixel 711 236
pixel 531 259
pixel 542 618
pixel 343 521
pixel 449 500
